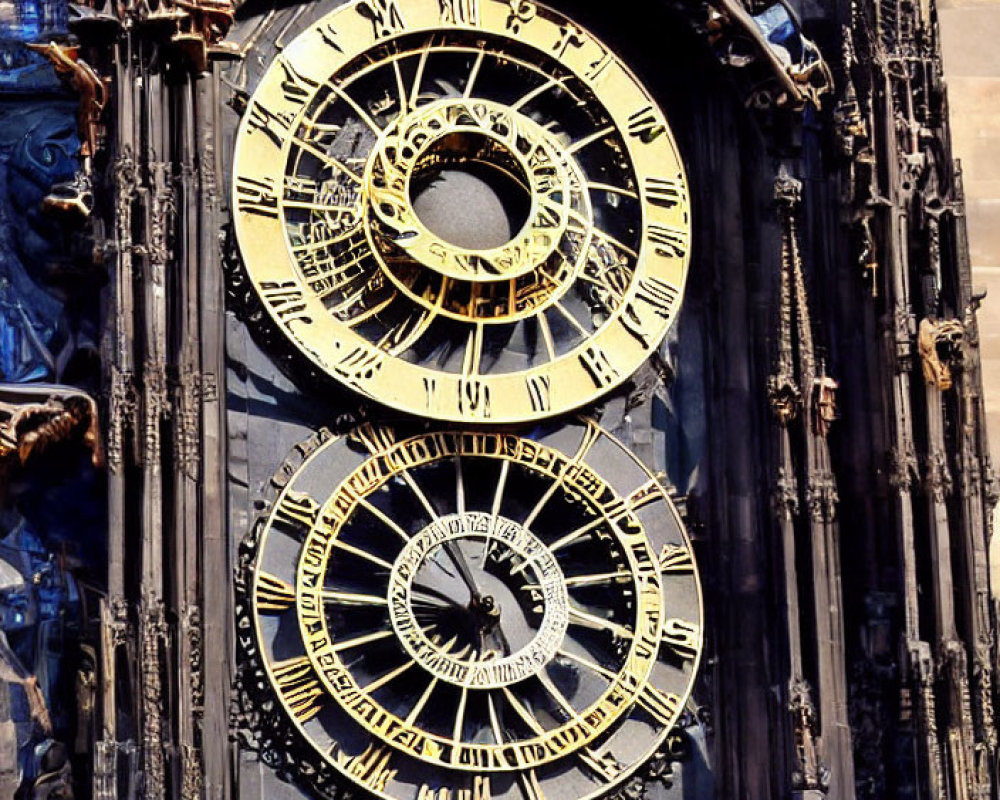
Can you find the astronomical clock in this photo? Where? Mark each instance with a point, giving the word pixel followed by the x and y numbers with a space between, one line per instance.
pixel 382 380
pixel 459 228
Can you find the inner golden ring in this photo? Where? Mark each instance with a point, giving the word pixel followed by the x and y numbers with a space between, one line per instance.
pixel 507 141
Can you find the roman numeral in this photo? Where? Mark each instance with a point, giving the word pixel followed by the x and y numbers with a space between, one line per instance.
pixel 286 300
pixel 274 594
pixel 676 558
pixel 375 438
pixel 430 391
pixel 360 364
pixel 668 241
pixel 643 125
pixel 256 197
pixel 460 12
pixel 667 192
pixel 598 366
pixel 296 88
pixel 656 293
pixel 371 768
pixel 274 124
pixel 683 637
pixel 297 509
pixel 540 392
pixel 385 17
pixel 480 791
pixel 299 687
pixel 329 36
pixel 474 397
pixel 663 706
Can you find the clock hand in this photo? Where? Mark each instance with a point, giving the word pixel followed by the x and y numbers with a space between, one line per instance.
pixel 458 559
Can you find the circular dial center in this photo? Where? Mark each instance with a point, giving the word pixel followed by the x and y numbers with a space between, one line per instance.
pixel 469 189
pixel 478 600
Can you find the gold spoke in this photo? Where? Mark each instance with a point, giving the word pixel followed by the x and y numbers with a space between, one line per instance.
pixel 494 719
pixel 495 510
pixel 361 641
pixel 456 733
pixel 474 73
pixel 377 684
pixel 419 77
pixel 459 485
pixel 590 438
pixel 382 517
pixel 596 579
pixel 522 712
pixel 349 548
pixel 607 187
pixel 501 485
pixel 408 478
pixel 587 620
pixel 591 665
pixel 525 99
pixel 403 105
pixel 327 159
pixel 364 115
pixel 546 331
pixel 351 599
pixel 569 317
pixel 607 237
pixel 573 535
pixel 422 701
pixel 595 136
pixel 557 695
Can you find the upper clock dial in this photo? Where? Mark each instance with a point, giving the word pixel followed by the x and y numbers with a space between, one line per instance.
pixel 464 209
pixel 477 615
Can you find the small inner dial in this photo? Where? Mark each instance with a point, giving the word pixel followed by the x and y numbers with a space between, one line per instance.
pixel 476 612
pixel 466 209
pixel 478 601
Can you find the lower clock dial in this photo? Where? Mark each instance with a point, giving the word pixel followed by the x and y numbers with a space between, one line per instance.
pixel 475 615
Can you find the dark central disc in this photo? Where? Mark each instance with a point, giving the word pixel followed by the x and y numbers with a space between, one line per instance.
pixel 471 192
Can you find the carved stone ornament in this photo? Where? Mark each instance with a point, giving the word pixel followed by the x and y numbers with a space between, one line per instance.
pixel 36 417
pixel 941 345
pixel 810 773
pixel 744 39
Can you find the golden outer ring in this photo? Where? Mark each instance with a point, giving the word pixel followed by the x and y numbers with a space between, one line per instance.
pixel 603 361
pixel 656 741
pixel 338 680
